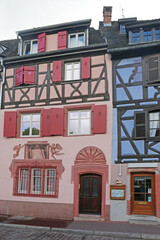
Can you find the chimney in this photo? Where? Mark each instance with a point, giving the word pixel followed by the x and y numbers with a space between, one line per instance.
pixel 107 16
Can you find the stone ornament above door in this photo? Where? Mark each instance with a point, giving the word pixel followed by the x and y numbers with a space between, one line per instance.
pixel 90 155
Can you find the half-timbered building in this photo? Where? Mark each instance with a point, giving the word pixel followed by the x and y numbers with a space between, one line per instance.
pixel 135 51
pixel 56 123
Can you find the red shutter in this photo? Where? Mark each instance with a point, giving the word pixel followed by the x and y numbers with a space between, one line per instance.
pixel 19 76
pixel 86 68
pixel 29 75
pixel 57 121
pixel 46 122
pixel 62 40
pixel 42 42
pixel 10 124
pixel 57 71
pixel 99 119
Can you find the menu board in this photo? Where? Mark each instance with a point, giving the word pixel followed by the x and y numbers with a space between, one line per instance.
pixel 117 192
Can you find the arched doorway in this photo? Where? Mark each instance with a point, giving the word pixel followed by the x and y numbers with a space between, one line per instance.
pixel 90 194
pixel 90 168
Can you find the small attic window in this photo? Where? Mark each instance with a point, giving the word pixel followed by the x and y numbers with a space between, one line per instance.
pixel 30 47
pixel 122 29
pixel 136 37
pixel 157 33
pixel 147 35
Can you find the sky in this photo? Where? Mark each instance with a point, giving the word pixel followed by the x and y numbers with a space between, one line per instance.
pixel 16 15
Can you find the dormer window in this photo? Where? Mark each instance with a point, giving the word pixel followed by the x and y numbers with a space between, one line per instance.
pixel 76 40
pixel 147 35
pixel 30 47
pixel 122 29
pixel 157 33
pixel 135 37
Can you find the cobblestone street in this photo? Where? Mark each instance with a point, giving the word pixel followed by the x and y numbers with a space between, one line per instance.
pixel 20 233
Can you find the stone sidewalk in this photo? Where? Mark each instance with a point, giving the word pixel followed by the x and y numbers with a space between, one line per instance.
pixel 112 230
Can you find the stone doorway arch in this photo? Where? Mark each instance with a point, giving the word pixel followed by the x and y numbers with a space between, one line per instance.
pixel 89 160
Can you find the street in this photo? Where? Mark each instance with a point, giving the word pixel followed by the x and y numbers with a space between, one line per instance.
pixel 20 233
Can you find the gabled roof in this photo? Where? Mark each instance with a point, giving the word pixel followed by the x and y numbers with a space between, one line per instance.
pixel 118 43
pixel 55 28
pixel 10 47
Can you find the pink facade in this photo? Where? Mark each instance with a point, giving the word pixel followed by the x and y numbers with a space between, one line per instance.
pixel 32 165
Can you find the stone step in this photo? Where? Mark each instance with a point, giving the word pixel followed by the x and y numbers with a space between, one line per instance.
pixel 88 217
pixel 145 219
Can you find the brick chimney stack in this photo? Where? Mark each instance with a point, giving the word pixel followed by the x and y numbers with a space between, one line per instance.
pixel 107 16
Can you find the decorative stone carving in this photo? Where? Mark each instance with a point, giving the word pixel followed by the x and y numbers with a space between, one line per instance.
pixel 38 150
pixel 90 155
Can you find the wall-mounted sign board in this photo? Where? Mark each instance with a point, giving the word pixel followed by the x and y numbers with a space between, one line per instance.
pixel 117 192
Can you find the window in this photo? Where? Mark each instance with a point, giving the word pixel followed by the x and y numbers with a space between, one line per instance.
pixel 140 124
pixel 50 177
pixel 154 124
pixel 79 122
pixel 30 47
pixel 30 125
pixel 135 37
pixel 152 69
pixel 23 180
pixel 72 71
pixel 37 181
pixel 122 29
pixel 25 75
pixel 76 40
pixel 157 32
pixel 147 35
pixel 147 124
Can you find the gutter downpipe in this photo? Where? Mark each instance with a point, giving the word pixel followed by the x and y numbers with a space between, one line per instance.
pixel 2 82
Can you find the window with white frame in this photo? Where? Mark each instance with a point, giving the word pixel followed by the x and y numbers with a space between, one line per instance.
pixel 79 122
pixel 154 124
pixel 30 125
pixel 37 181
pixel 23 180
pixel 76 40
pixel 72 71
pixel 50 176
pixel 30 47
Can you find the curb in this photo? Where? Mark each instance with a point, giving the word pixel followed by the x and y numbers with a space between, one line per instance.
pixel 86 232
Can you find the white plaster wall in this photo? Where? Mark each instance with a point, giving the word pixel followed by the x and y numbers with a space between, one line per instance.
pixel 118 210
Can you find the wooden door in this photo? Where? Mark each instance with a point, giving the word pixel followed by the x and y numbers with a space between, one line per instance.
pixel 90 194
pixel 143 193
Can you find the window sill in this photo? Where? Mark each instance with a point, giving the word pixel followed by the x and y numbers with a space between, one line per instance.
pixel 25 86
pixel 34 195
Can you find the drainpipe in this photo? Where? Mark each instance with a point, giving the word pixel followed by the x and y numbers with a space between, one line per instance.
pixel 2 82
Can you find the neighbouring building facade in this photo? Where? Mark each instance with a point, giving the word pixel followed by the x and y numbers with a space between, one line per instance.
pixel 135 52
pixel 56 123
